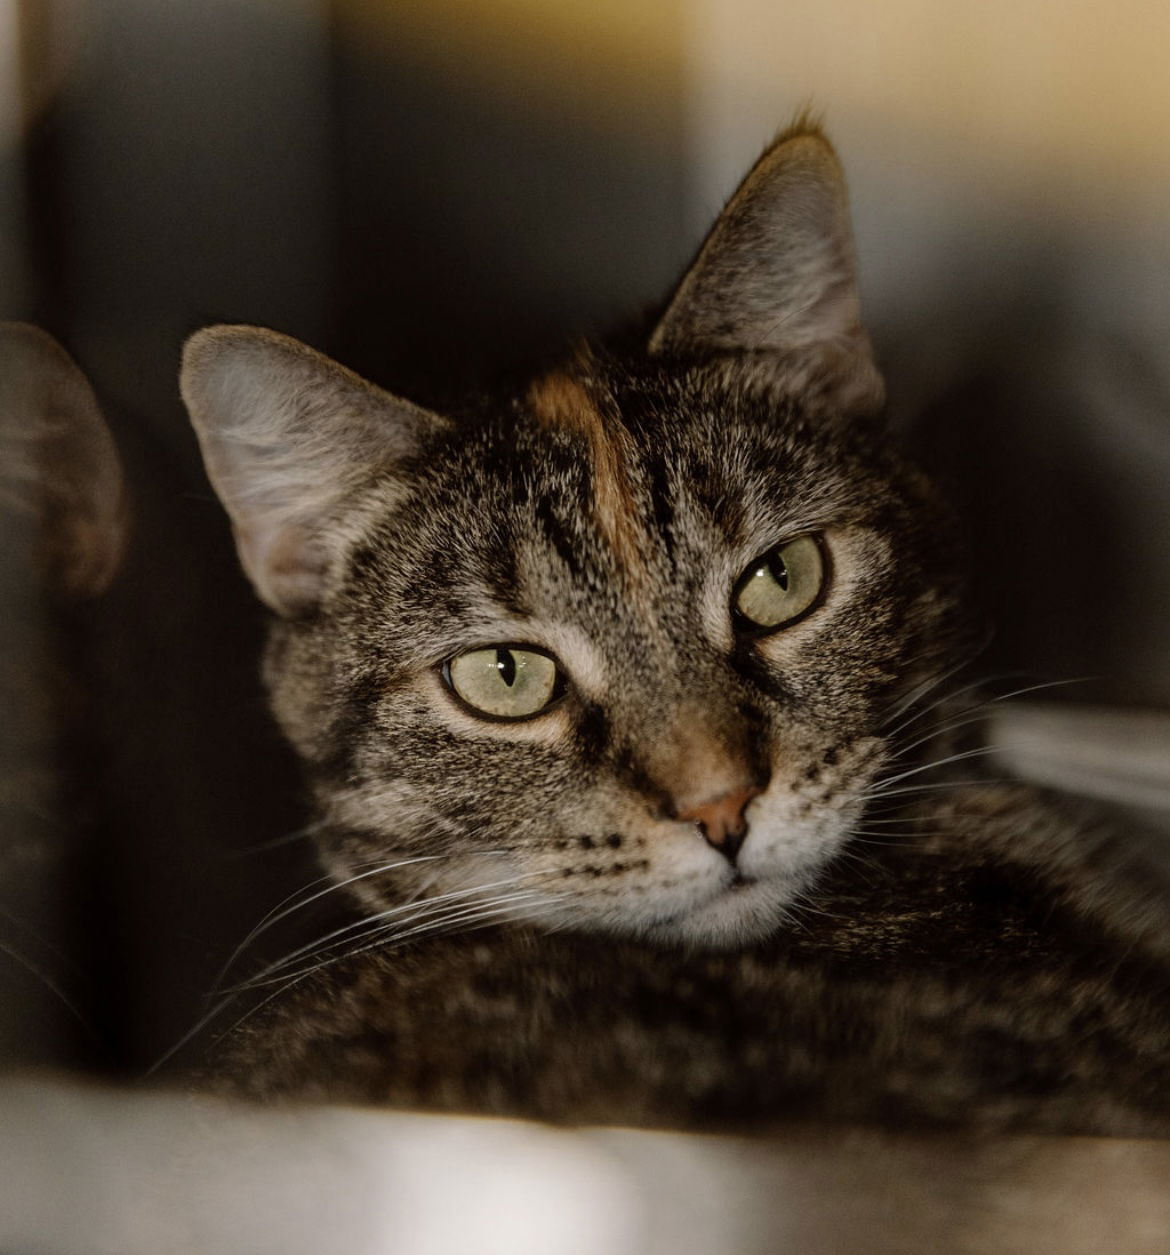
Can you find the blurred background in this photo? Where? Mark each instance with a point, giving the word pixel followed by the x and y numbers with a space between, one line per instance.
pixel 438 191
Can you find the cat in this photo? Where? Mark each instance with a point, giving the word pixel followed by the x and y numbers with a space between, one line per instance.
pixel 630 707
pixel 63 526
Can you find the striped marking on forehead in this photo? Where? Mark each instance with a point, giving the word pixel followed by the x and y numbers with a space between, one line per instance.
pixel 560 401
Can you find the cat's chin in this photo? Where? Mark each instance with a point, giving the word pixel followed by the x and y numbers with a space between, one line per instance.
pixel 742 912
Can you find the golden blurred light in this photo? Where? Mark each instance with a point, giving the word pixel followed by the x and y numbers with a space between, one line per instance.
pixel 1074 92
pixel 610 60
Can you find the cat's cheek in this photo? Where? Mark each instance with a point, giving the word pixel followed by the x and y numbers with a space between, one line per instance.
pixel 628 882
pixel 798 826
pixel 787 851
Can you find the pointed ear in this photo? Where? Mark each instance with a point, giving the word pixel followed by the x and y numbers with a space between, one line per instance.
pixel 58 463
pixel 776 277
pixel 289 439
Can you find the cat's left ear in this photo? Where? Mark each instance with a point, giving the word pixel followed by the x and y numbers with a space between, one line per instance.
pixel 776 280
pixel 292 441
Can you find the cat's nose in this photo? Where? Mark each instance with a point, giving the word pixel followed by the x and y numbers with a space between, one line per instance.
pixel 722 820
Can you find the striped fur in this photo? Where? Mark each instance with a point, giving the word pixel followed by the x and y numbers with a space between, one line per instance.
pixel 603 513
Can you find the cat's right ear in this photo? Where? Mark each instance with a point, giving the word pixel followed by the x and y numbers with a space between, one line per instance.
pixel 775 282
pixel 290 440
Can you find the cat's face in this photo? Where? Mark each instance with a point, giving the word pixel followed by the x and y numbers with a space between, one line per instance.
pixel 616 653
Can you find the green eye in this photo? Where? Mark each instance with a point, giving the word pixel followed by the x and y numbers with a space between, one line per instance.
pixel 504 681
pixel 782 585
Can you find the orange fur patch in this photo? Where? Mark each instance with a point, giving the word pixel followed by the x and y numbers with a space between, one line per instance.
pixel 559 400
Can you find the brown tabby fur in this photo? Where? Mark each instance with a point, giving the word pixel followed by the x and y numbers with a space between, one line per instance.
pixel 894 939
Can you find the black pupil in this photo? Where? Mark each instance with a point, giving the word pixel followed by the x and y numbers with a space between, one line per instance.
pixel 778 570
pixel 506 663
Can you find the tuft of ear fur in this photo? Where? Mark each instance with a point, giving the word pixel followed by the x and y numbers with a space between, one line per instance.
pixel 776 278
pixel 290 440
pixel 59 467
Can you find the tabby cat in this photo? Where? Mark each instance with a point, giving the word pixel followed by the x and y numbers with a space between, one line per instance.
pixel 62 535
pixel 628 706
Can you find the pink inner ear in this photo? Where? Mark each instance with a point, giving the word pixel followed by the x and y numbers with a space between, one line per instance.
pixel 287 564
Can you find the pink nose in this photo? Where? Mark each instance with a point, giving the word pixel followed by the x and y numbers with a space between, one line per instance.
pixel 722 820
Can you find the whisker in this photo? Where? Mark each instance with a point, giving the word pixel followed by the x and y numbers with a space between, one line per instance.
pixel 856 857
pixel 887 839
pixel 927 687
pixel 381 920
pixel 976 714
pixel 34 969
pixel 879 787
pixel 934 786
pixel 806 908
pixel 34 934
pixel 414 907
pixel 297 834
pixel 277 913
pixel 948 696
pixel 870 820
pixel 277 993
pixel 985 703
pixel 501 907
pixel 232 995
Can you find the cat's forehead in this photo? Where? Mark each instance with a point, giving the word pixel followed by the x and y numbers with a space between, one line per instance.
pixel 562 404
pixel 637 459
pixel 605 495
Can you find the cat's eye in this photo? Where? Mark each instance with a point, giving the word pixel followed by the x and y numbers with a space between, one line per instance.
pixel 781 586
pixel 504 681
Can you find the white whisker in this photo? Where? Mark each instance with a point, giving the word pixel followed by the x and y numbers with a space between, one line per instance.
pixel 277 913
pixel 385 919
pixel 934 786
pixel 462 920
pixel 231 996
pixel 285 988
pixel 34 969
pixel 298 834
pixel 880 787
pixel 922 691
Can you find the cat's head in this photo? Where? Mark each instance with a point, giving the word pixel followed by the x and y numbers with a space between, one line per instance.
pixel 614 652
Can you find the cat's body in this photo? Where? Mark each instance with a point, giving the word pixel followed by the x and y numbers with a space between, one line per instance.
pixel 648 652
pixel 937 983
